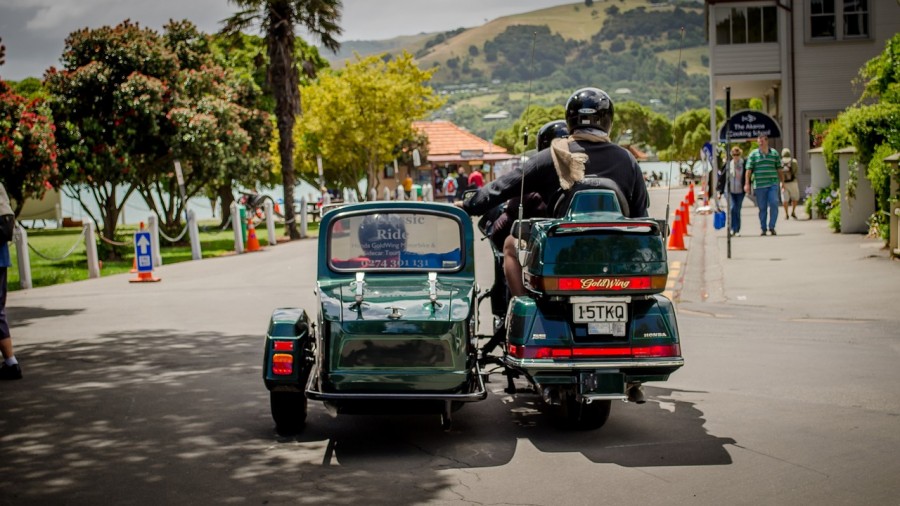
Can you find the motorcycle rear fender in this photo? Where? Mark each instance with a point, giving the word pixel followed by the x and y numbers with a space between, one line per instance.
pixel 652 322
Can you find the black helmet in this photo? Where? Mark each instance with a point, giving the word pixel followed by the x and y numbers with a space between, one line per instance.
pixel 589 108
pixel 550 131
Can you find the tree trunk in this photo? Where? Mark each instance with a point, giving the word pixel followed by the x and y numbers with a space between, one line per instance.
pixel 226 197
pixel 284 80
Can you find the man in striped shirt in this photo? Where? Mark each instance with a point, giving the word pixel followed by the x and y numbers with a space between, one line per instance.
pixel 762 169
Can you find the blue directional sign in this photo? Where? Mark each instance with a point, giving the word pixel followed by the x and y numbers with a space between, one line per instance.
pixel 143 252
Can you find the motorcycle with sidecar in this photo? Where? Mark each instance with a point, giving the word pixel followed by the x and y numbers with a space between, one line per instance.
pixel 395 323
pixel 594 326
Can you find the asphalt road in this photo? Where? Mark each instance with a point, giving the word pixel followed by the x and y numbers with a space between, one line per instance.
pixel 152 394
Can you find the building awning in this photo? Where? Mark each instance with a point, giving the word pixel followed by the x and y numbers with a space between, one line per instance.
pixel 486 157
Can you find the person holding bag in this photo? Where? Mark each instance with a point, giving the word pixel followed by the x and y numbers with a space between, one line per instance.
pixel 9 369
pixel 734 174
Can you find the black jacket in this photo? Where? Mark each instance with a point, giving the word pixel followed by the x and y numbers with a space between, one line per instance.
pixel 604 160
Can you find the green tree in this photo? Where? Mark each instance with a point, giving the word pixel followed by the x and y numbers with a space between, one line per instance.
pixel 246 57
pixel 208 123
pixel 870 125
pixel 278 20
pixel 690 132
pixel 532 119
pixel 130 102
pixel 647 127
pixel 359 118
pixel 106 101
pixel 27 145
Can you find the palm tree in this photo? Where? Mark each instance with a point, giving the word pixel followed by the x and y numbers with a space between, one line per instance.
pixel 278 20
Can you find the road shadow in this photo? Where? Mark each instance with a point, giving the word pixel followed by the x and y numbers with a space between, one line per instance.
pixel 24 316
pixel 158 416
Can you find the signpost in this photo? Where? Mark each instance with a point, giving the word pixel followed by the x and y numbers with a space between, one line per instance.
pixel 143 252
pixel 143 257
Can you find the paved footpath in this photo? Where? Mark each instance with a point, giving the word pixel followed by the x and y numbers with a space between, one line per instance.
pixel 806 271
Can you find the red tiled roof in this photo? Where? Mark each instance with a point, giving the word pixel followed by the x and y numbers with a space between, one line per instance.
pixel 445 138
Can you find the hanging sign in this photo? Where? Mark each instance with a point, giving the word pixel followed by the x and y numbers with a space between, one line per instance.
pixel 747 125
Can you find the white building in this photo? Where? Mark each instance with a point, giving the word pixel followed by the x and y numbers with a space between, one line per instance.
pixel 799 56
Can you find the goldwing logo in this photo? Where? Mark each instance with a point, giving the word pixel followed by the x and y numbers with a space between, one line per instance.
pixel 605 284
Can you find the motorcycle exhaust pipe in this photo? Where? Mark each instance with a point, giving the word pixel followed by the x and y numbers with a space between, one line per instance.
pixel 636 394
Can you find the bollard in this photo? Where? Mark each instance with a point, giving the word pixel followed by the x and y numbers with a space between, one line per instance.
pixel 194 232
pixel 373 195
pixel 20 237
pixel 387 193
pixel 401 195
pixel 153 227
pixel 270 222
pixel 236 226
pixel 304 218
pixel 90 244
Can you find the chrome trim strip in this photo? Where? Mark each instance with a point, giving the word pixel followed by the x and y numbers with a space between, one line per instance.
pixel 479 394
pixel 556 364
pixel 604 397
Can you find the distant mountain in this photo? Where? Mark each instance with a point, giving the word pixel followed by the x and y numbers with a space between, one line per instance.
pixel 630 48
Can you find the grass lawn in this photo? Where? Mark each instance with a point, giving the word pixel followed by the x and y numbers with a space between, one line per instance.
pixel 55 243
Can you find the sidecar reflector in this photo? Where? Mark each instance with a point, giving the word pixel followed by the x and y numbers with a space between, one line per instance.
pixel 283 345
pixel 551 352
pixel 282 364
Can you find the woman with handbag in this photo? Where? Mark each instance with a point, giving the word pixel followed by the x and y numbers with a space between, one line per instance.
pixel 735 178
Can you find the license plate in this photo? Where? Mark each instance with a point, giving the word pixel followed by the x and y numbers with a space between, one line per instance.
pixel 600 312
pixel 606 328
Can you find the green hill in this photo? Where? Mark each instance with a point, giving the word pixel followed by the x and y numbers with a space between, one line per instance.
pixel 630 48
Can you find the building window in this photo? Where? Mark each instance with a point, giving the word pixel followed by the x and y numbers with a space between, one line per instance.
pixel 839 19
pixel 746 25
pixel 856 18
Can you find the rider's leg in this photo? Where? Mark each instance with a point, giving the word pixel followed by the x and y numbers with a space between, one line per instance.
pixel 512 269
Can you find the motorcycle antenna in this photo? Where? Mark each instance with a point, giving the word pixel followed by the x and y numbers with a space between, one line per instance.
pixel 524 148
pixel 674 112
pixel 525 134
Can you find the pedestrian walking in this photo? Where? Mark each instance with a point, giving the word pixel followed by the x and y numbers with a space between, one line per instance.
pixel 10 369
pixel 762 176
pixel 734 176
pixel 790 189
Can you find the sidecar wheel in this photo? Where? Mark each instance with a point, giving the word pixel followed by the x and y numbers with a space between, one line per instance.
pixel 580 416
pixel 288 411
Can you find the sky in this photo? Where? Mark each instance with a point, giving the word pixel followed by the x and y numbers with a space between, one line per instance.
pixel 34 31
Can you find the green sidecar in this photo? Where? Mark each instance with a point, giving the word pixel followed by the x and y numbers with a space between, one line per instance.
pixel 394 327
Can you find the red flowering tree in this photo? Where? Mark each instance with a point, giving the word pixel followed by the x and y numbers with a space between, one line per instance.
pixel 129 102
pixel 27 145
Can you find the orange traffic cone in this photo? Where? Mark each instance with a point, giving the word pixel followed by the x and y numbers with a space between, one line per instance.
pixel 676 238
pixel 133 265
pixel 252 241
pixel 145 277
pixel 686 210
pixel 690 195
pixel 685 222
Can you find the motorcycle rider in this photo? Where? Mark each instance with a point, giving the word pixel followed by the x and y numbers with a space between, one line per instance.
pixel 534 206
pixel 587 151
